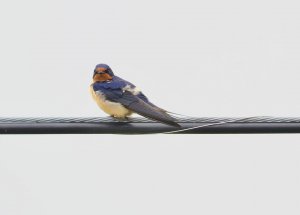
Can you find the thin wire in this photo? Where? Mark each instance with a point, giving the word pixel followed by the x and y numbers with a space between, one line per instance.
pixel 172 113
pixel 208 125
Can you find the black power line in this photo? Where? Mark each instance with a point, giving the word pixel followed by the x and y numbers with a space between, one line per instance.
pixel 204 125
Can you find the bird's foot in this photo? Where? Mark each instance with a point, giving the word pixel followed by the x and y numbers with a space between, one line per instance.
pixel 121 119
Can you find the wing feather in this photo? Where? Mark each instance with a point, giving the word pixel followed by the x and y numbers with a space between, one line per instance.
pixel 137 103
pixel 146 110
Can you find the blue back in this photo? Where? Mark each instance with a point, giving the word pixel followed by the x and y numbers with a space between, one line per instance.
pixel 113 90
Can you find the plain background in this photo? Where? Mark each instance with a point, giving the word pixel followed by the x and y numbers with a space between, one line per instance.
pixel 199 58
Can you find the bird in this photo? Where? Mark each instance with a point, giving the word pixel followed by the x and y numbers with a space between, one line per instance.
pixel 120 98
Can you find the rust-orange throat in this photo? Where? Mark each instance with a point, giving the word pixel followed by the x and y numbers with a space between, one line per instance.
pixel 101 75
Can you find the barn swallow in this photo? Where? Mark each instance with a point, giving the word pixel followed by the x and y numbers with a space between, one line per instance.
pixel 120 98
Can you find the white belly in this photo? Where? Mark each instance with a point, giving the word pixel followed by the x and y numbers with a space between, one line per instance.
pixel 112 108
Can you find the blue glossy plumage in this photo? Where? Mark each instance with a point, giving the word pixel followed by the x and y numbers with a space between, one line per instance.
pixel 115 83
pixel 113 89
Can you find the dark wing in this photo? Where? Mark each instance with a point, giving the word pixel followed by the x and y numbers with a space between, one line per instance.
pixel 139 106
pixel 145 99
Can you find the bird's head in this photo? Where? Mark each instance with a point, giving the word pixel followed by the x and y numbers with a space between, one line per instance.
pixel 102 73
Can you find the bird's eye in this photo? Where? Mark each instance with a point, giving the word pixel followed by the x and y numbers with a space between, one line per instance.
pixel 101 69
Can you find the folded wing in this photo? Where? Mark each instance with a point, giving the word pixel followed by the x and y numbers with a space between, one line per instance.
pixel 139 106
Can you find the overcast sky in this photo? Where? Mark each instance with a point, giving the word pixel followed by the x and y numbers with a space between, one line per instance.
pixel 198 58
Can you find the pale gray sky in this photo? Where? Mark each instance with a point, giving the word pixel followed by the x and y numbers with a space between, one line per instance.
pixel 199 58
